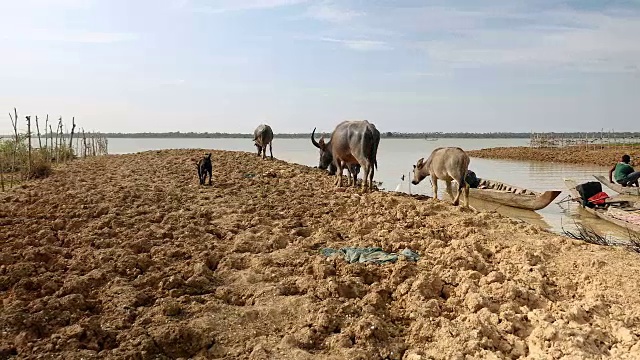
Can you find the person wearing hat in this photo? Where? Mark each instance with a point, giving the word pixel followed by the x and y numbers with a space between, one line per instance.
pixel 624 173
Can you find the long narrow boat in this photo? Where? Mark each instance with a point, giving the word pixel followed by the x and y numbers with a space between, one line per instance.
pixel 628 219
pixel 625 190
pixel 505 194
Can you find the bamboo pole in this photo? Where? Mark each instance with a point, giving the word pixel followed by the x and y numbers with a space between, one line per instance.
pixel 73 128
pixel 57 149
pixel 2 171
pixel 46 123
pixel 38 130
pixel 93 143
pixel 29 140
pixel 14 123
pixel 51 149
pixel 84 144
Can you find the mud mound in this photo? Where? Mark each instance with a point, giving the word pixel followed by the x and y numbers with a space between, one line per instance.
pixel 574 154
pixel 128 257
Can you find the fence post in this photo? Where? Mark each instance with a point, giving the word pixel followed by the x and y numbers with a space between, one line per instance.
pixel 29 137
pixel 73 128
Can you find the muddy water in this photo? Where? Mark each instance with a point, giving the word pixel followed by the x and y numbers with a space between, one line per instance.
pixel 396 157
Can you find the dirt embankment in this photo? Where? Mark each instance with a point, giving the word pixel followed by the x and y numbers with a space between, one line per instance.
pixel 574 155
pixel 127 257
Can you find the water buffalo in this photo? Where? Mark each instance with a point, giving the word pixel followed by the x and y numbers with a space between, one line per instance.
pixel 352 143
pixel 263 136
pixel 204 168
pixel 445 163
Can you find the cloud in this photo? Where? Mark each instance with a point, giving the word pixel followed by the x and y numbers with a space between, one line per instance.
pixel 332 13
pixel 576 40
pixel 540 34
pixel 223 6
pixel 360 45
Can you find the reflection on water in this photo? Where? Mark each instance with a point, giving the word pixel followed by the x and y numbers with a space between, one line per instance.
pixel 397 156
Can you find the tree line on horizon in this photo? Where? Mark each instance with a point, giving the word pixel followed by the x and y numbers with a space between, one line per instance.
pixel 401 135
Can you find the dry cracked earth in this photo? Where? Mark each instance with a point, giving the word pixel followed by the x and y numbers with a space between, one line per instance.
pixel 128 257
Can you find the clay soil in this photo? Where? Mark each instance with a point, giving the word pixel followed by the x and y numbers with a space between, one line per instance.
pixel 607 156
pixel 128 257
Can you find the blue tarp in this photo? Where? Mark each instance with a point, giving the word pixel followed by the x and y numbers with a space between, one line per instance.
pixel 370 254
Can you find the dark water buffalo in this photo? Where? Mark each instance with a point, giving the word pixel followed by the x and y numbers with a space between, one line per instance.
pixel 352 143
pixel 204 169
pixel 263 136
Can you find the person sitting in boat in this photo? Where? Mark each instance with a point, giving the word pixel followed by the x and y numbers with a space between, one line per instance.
pixel 624 173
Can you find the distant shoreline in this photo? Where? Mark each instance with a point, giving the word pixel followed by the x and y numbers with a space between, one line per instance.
pixel 429 135
pixel 600 155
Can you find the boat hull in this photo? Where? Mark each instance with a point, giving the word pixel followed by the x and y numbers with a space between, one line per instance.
pixel 571 186
pixel 527 202
pixel 513 196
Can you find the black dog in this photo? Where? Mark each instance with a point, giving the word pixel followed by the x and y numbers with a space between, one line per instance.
pixel 204 168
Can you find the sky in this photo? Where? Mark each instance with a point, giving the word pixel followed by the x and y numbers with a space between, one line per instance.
pixel 406 66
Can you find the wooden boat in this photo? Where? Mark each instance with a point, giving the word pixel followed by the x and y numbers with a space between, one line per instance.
pixel 618 212
pixel 505 194
pixel 625 190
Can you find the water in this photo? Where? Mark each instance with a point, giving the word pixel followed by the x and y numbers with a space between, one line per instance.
pixel 397 157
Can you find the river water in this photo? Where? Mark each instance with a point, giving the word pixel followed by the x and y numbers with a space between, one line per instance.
pixel 397 156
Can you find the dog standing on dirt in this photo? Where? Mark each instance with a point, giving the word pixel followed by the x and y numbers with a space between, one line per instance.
pixel 204 168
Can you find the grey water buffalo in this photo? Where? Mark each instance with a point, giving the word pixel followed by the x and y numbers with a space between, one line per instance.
pixel 446 163
pixel 263 136
pixel 351 143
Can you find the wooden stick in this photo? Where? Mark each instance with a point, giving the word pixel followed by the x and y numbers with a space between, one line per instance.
pixel 84 144
pixel 57 137
pixel 46 143
pixel 14 123
pixel 2 171
pixel 51 134
pixel 29 137
pixel 73 128
pixel 93 143
pixel 38 130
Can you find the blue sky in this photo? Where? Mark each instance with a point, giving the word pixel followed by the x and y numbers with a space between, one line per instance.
pixel 205 65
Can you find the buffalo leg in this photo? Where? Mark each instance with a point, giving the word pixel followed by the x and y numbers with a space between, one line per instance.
pixel 434 186
pixel 264 152
pixel 350 181
pixel 456 200
pixel 354 175
pixel 371 172
pixel 271 150
pixel 466 195
pixel 365 177
pixel 340 166
pixel 449 191
pixel 210 178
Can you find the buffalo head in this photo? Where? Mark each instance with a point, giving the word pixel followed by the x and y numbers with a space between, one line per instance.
pixel 420 171
pixel 326 157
